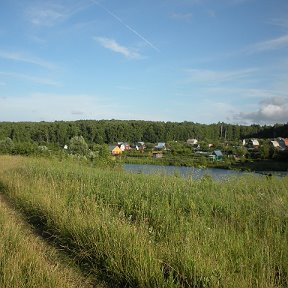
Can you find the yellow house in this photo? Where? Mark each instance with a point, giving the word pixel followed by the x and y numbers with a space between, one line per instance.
pixel 116 151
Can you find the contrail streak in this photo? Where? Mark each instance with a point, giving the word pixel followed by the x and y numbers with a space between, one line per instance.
pixel 125 25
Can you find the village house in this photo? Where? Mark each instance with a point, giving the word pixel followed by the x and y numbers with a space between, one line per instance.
pixel 283 143
pixel 192 142
pixel 160 146
pixel 253 143
pixel 157 154
pixel 115 150
pixel 216 155
pixel 124 146
pixel 141 146
pixel 274 144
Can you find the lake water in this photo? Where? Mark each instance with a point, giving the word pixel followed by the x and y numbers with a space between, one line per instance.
pixel 195 173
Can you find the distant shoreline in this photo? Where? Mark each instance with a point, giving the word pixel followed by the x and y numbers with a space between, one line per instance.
pixel 250 166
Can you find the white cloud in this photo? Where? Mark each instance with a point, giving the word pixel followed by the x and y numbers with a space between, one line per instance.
pixel 49 13
pixel 116 17
pixel 272 44
pixel 20 57
pixel 112 45
pixel 272 110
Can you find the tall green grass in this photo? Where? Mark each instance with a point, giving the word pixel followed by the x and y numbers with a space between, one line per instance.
pixel 158 231
pixel 26 262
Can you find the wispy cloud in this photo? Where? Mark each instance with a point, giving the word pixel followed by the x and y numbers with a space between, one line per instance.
pixel 112 45
pixel 149 43
pixel 18 56
pixel 212 77
pixel 272 44
pixel 282 22
pixel 77 112
pixel 51 12
pixel 34 79
pixel 181 16
pixel 244 93
pixel 272 110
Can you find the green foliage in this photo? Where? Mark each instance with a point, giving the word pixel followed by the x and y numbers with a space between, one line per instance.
pixel 6 145
pixel 78 145
pixel 25 148
pixel 264 150
pixel 280 155
pixel 104 152
pixel 159 231
pixel 25 261
pixel 111 131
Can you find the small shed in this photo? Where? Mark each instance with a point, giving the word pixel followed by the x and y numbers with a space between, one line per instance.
pixel 161 146
pixel 157 154
pixel 216 155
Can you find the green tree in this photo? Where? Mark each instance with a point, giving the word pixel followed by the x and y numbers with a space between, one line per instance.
pixel 6 145
pixel 78 145
pixel 264 151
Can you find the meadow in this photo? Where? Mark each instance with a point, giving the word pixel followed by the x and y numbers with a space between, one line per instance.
pixel 134 230
pixel 26 261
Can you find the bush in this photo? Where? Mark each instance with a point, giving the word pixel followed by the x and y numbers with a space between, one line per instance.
pixel 6 145
pixel 24 148
pixel 78 145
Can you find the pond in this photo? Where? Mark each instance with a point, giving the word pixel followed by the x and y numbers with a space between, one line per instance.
pixel 195 173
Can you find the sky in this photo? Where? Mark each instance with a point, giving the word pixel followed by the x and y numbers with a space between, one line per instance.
pixel 203 61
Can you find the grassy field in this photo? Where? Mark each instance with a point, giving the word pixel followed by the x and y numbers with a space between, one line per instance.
pixel 135 230
pixel 25 261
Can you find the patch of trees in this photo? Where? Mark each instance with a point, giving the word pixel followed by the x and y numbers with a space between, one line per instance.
pixel 110 131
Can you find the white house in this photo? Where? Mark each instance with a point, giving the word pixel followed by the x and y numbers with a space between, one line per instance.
pixel 192 142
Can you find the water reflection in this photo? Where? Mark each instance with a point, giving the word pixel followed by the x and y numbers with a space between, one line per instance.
pixel 195 173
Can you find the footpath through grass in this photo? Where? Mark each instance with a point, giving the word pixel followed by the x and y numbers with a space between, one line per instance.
pixel 157 231
pixel 27 262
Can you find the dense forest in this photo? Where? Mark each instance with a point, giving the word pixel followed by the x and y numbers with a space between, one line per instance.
pixel 111 131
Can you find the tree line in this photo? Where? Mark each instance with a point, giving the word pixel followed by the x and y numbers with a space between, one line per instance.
pixel 111 131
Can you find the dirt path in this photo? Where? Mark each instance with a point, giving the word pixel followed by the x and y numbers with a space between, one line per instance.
pixel 42 245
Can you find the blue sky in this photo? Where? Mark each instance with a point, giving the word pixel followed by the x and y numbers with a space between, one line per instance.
pixel 166 60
